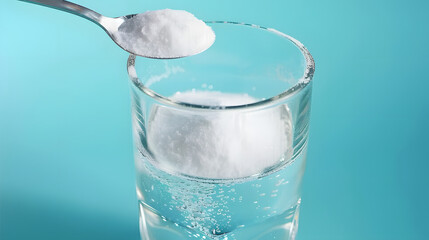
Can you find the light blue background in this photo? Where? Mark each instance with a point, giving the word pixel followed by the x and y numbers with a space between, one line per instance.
pixel 66 162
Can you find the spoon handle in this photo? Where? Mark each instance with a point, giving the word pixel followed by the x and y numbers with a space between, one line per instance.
pixel 70 8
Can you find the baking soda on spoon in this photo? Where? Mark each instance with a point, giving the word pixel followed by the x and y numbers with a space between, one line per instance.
pixel 165 33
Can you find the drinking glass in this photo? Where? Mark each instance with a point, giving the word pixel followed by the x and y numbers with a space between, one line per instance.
pixel 220 137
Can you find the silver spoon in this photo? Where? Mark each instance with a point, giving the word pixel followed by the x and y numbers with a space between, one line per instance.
pixel 110 25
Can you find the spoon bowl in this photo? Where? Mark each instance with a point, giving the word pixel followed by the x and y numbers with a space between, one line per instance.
pixel 109 25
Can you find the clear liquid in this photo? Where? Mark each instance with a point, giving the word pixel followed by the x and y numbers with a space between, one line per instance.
pixel 174 207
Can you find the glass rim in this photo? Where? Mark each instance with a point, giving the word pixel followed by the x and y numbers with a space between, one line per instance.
pixel 296 88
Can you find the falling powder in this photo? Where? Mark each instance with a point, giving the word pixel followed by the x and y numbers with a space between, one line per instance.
pixel 218 144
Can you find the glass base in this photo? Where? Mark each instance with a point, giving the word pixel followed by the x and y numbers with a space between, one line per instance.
pixel 284 226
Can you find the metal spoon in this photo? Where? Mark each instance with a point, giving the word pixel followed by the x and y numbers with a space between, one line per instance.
pixel 110 25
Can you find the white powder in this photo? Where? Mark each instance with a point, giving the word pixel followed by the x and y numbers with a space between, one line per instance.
pixel 165 34
pixel 226 144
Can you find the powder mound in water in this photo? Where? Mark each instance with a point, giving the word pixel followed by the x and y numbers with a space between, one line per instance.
pixel 165 33
pixel 218 144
